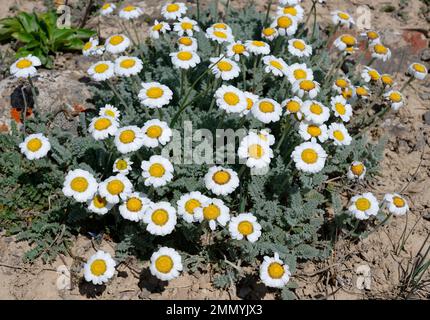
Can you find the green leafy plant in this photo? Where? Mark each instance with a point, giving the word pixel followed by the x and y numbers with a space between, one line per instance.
pixel 39 35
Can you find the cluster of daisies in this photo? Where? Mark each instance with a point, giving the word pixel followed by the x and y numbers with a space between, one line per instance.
pixel 316 122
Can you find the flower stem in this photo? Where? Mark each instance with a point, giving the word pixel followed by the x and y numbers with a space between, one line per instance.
pixel 33 93
pixel 269 6
pixel 111 85
pixel 407 83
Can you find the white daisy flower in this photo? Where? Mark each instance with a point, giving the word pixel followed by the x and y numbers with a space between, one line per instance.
pixel 309 157
pixel 219 35
pixel 173 10
pixel 128 66
pixel 128 139
pixel 348 93
pixel 371 36
pixel 221 26
pixel 299 48
pixel 221 181
pixel 298 72
pixel 25 67
pixel 340 84
pixel 269 34
pixel 101 70
pixel 130 12
pixel 342 18
pixel 122 165
pixel 160 218
pixel 255 150
pixel 225 69
pixel 35 146
pixel 155 95
pixel 285 24
pixel 156 133
pixel 264 134
pixel 166 264
pixel 187 205
pixel 418 71
pixel 309 87
pixel 387 80
pixel 296 11
pixel 362 92
pixel 341 108
pixel 345 41
pixel 186 26
pixel 236 50
pixel 363 206
pixel 357 170
pixel 339 134
pixel 214 211
pixel 245 225
pixel 159 27
pixel 395 98
pixel 396 204
pixel 157 171
pixel 380 52
pixel 117 43
pixel 293 106
pixel 368 74
pixel 257 47
pixel 267 110
pixel 99 205
pixel 92 48
pixel 315 112
pixel 187 44
pixel 109 111
pixel 107 9
pixel 251 100
pixel 80 184
pixel 273 272
pixel 99 268
pixel 185 59
pixel 115 188
pixel 274 65
pixel 103 127
pixel 313 132
pixel 134 206
pixel 230 99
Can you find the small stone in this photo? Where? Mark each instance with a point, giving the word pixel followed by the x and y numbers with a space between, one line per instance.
pixel 424 95
pixel 425 56
pixel 427 118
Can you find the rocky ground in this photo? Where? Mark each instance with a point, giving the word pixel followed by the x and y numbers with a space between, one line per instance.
pixel 405 168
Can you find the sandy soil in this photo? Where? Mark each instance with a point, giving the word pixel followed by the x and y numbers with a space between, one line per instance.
pixel 405 168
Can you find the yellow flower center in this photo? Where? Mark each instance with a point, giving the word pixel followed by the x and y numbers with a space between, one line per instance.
pixel 157 170
pixel 129 8
pixel 191 205
pixel 157 27
pixel 347 93
pixel 184 55
pixel 115 187
pixel 269 32
pixel 309 156
pixel 255 151
pixel 116 40
pixel 341 83
pixel 24 63
pixel 238 48
pixel 220 25
pixel 276 64
pixel 220 34
pixel 316 109
pixel 127 63
pixel 299 45
pixel 362 204
pixel 290 10
pixel 224 66
pixel 154 92
pixel 127 136
pixel 348 40
pixel 387 79
pixel 372 35
pixel 293 106
pixel 231 98
pixel 164 264
pixel 357 169
pixel 101 68
pixel 343 15
pixel 99 202
pixel 266 107
pixel 419 67
pixel 258 43
pixel 160 217
pixel 87 45
pixel 173 7
pixel 307 85
pixel 79 184
pixel 340 108
pixel 374 75
pixel 249 103
pixel 106 6
pixel 211 212
pixel 276 270
pixel 134 204
pixel 121 164
pixel 395 96
pixel 284 22
pixel 338 135
pixel 361 91
pixel 398 202
pixel 185 41
pixel 380 49
pixel 154 131
pixel 102 124
pixel 300 74
pixel 221 177
pixel 34 144
pixel 98 267
pixel 314 130
pixel 187 25
pixel 245 228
